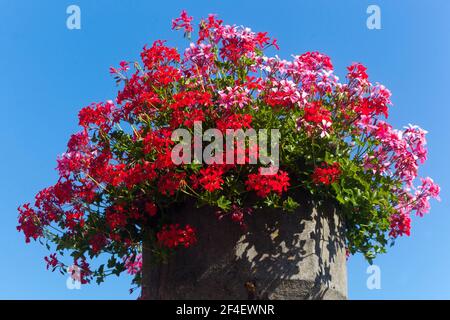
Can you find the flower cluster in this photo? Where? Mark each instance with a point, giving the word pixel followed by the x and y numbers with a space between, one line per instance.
pixel 316 117
pixel 263 185
pixel 326 174
pixel 118 185
pixel 133 264
pixel 173 236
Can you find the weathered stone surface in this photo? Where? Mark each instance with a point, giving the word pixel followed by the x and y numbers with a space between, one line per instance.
pixel 280 256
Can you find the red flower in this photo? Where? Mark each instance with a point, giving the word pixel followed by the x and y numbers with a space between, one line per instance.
pixel 151 209
pixel 237 214
pixel 235 122
pixel 326 174
pixel 316 113
pixel 29 223
pixel 357 71
pixel 98 114
pixel 98 242
pixel 400 225
pixel 170 182
pixel 52 261
pixel 263 185
pixel 116 217
pixel 158 54
pixel 211 178
pixel 173 236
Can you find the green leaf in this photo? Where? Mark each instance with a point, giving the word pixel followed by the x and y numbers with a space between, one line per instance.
pixel 290 205
pixel 101 269
pixel 223 203
pixel 111 262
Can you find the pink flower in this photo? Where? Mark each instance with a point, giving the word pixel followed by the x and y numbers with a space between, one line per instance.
pixel 416 140
pixel 424 193
pixel 183 22
pixel 133 264
pixel 285 93
pixel 201 57
pixel 234 97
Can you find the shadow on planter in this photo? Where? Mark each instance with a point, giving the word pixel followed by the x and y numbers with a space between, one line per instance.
pixel 281 256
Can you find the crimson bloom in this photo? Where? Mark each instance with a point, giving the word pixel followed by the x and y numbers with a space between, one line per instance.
pixel 326 174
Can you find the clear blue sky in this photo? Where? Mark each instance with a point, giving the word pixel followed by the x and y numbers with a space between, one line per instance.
pixel 47 73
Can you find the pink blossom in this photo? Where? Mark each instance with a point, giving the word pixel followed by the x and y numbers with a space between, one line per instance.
pixel 183 22
pixel 133 263
pixel 232 97
pixel 201 56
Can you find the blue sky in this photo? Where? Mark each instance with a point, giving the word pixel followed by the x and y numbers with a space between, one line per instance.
pixel 49 72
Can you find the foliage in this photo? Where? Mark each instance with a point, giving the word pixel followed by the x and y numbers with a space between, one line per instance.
pixel 118 182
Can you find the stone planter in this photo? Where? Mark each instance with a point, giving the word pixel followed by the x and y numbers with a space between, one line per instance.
pixel 281 256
